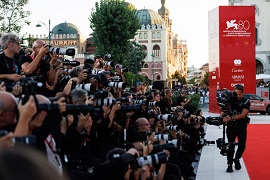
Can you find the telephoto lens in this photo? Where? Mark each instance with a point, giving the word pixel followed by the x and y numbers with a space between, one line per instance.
pixel 120 85
pixel 165 137
pixel 87 87
pixel 153 159
pixel 175 128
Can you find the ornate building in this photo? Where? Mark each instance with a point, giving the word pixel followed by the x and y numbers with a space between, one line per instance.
pixel 165 52
pixel 262 19
pixel 66 35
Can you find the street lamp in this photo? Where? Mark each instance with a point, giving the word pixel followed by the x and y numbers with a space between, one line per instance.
pixel 152 67
pixel 49 29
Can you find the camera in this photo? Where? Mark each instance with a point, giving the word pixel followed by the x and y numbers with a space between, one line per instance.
pixel 123 100
pixel 226 101
pixel 62 51
pixel 74 63
pixel 217 121
pixel 224 147
pixel 106 102
pixel 97 71
pixel 175 128
pixel 153 104
pixel 106 57
pixel 175 142
pixel 109 63
pixel 186 114
pixel 87 87
pixel 22 140
pixel 101 94
pixel 165 137
pixel 134 107
pixel 115 78
pixel 120 85
pixel 165 117
pixel 160 147
pixel 140 102
pixel 153 159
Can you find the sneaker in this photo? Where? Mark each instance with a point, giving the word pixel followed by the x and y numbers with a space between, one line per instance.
pixel 229 169
pixel 237 164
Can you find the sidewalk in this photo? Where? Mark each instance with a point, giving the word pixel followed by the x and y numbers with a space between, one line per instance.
pixel 212 165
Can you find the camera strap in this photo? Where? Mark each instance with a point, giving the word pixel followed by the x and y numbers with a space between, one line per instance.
pixel 38 67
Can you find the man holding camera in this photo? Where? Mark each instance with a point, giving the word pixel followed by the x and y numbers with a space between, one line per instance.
pixel 237 127
pixel 36 65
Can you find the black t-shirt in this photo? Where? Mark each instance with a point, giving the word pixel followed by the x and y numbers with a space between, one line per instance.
pixel 179 100
pixel 39 75
pixel 238 106
pixel 9 65
pixel 158 85
pixel 42 68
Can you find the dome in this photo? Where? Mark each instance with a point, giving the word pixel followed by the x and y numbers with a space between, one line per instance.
pixel 147 16
pixel 65 28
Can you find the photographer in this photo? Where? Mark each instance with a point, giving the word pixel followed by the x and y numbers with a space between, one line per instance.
pixel 36 65
pixel 237 127
pixel 166 102
pixel 10 69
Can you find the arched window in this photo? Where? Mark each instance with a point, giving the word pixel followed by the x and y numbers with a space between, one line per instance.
pixel 144 47
pixel 146 35
pixel 145 65
pixel 156 50
pixel 158 35
pixel 154 35
pixel 141 35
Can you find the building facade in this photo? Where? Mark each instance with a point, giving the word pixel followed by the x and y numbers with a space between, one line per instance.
pixel 166 54
pixel 65 35
pixel 262 19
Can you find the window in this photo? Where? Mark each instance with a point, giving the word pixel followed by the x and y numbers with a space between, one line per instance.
pixel 158 35
pixel 154 35
pixel 146 35
pixel 156 50
pixel 141 35
pixel 145 66
pixel 144 47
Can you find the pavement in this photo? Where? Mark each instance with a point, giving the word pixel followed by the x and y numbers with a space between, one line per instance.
pixel 212 165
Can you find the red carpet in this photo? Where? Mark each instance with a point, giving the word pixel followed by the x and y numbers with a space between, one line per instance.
pixel 257 153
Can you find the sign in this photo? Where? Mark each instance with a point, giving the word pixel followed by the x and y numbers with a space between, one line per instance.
pixel 63 42
pixel 231 50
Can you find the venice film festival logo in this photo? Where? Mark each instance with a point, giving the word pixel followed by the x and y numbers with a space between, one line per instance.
pixel 236 28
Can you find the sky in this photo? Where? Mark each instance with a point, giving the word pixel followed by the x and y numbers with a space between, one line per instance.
pixel 189 19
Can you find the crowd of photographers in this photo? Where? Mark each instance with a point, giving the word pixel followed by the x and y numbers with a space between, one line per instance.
pixel 87 123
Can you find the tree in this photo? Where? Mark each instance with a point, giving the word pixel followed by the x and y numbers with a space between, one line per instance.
pixel 192 80
pixel 13 16
pixel 136 58
pixel 205 80
pixel 114 23
pixel 133 78
pixel 178 76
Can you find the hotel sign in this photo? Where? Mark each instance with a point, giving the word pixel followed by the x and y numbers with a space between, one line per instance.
pixel 63 42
